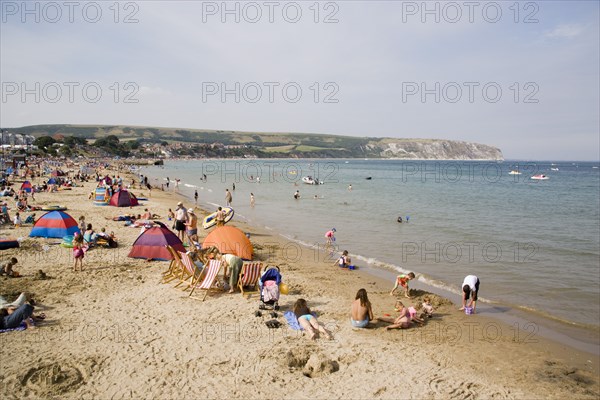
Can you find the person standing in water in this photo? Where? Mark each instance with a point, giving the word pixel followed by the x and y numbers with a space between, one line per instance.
pixel 228 198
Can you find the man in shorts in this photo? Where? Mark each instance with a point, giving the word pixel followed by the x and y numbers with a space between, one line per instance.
pixel 181 218
pixel 220 217
pixel 470 287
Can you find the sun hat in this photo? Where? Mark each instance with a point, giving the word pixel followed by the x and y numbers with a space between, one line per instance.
pixel 179 204
pixel 190 210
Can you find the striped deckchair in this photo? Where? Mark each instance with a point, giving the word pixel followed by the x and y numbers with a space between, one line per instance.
pixel 193 273
pixel 210 274
pixel 249 275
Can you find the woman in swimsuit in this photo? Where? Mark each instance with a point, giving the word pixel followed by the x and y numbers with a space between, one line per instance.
pixel 361 310
pixel 309 322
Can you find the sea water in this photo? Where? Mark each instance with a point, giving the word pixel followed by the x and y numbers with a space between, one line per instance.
pixel 534 244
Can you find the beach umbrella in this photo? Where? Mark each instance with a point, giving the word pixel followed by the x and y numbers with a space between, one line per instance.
pixel 55 224
pixel 57 172
pixel 123 198
pixel 151 244
pixel 26 186
pixel 230 240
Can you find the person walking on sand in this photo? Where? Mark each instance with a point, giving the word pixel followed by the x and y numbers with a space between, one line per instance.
pixel 470 287
pixel 228 198
pixel 361 312
pixel 196 196
pixel 402 280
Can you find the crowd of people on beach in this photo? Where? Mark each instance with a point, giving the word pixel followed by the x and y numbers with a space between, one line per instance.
pixel 185 224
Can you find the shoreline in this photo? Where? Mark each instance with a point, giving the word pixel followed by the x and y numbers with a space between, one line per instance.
pixel 576 336
pixel 585 338
pixel 113 331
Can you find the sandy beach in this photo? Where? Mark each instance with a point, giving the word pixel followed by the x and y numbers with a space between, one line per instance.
pixel 114 331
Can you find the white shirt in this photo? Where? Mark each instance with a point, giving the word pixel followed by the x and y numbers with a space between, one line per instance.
pixel 181 214
pixel 470 280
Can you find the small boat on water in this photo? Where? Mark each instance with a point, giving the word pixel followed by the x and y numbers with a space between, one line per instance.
pixel 309 180
pixel 554 169
pixel 540 177
pixel 514 172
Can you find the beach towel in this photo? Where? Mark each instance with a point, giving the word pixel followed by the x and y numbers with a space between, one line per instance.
pixel 292 321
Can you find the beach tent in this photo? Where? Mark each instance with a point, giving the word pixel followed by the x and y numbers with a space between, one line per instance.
pixel 26 186
pixel 55 224
pixel 123 198
pixel 52 181
pixel 151 244
pixel 230 240
pixel 102 196
pixel 57 172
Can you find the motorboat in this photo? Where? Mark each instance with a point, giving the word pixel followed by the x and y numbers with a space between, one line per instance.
pixel 309 180
pixel 540 177
pixel 514 172
pixel 554 169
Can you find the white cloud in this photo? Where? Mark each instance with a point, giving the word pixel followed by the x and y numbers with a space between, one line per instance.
pixel 565 31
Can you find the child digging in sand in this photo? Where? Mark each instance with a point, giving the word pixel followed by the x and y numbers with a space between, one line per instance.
pixel 309 322
pixel 400 322
pixel 402 280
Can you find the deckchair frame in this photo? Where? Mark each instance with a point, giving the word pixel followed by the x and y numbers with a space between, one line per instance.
pixel 192 272
pixel 249 275
pixel 210 274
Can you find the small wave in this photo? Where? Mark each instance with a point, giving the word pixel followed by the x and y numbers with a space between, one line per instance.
pixel 190 186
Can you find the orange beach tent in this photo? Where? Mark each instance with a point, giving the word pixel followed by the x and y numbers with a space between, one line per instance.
pixel 230 240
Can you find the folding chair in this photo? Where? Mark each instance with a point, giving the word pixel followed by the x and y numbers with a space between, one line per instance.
pixel 210 274
pixel 176 268
pixel 191 270
pixel 249 275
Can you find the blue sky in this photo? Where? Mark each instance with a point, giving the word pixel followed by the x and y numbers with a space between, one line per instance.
pixel 520 76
